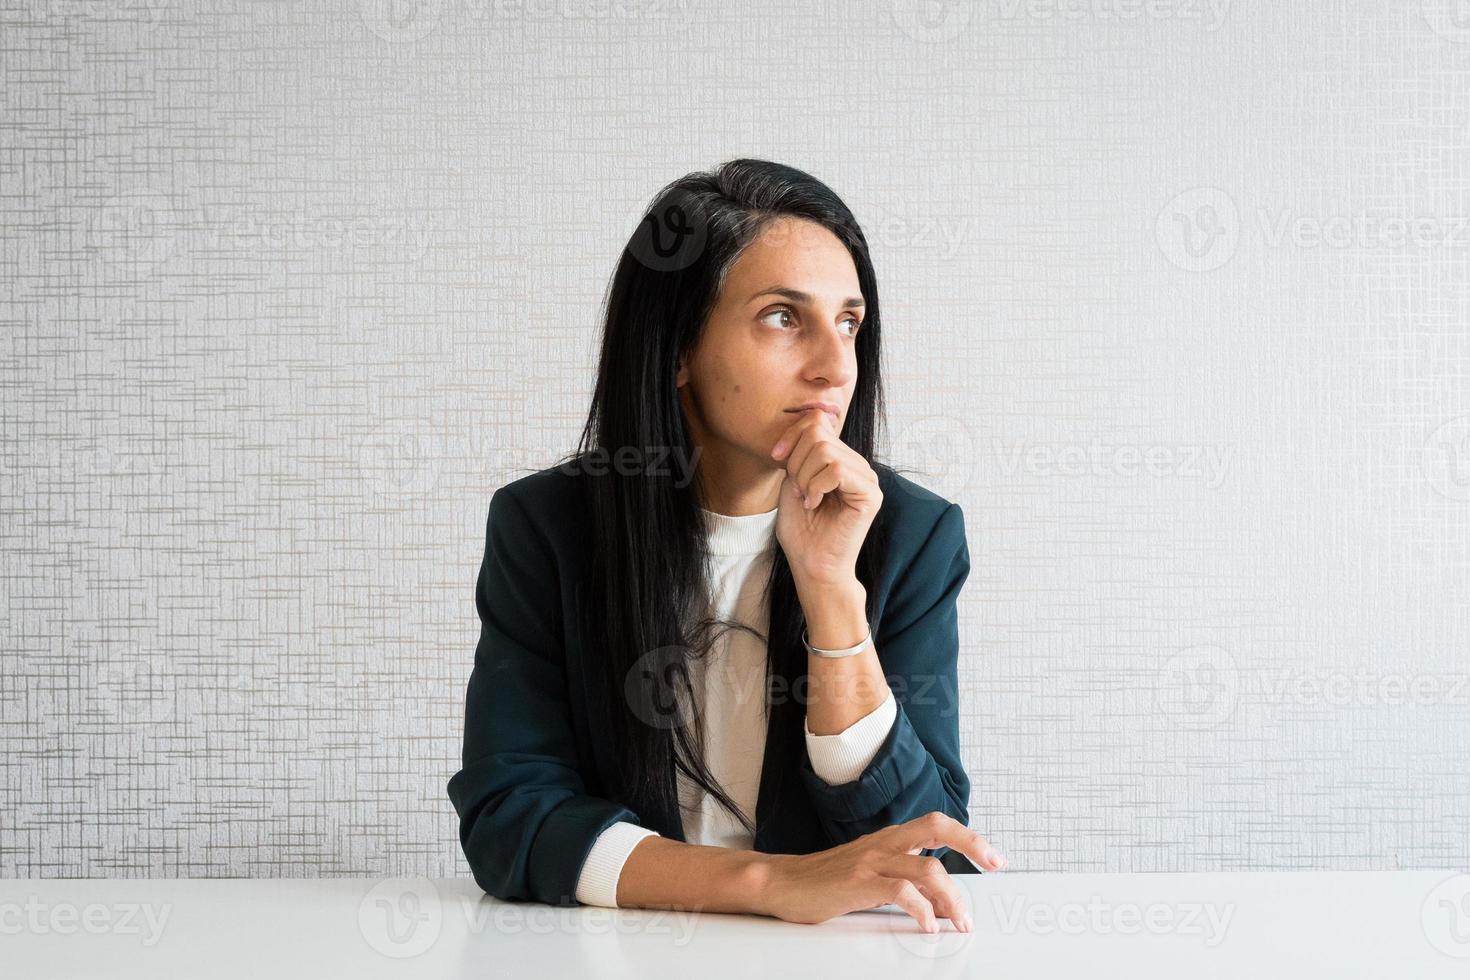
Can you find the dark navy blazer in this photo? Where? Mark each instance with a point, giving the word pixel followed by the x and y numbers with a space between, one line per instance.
pixel 533 793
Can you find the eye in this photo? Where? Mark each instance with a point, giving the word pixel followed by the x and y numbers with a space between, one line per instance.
pixel 780 309
pixel 854 324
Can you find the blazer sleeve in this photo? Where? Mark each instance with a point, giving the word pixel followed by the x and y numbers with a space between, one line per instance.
pixel 527 822
pixel 918 767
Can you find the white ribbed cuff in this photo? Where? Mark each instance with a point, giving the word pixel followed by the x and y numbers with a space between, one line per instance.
pixel 842 757
pixel 597 884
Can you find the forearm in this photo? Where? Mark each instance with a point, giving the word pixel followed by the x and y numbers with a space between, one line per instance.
pixel 840 690
pixel 661 873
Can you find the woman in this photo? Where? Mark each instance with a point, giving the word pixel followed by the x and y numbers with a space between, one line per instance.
pixel 717 659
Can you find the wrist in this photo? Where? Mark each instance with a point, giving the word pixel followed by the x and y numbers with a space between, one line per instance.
pixel 759 881
pixel 820 595
pixel 836 615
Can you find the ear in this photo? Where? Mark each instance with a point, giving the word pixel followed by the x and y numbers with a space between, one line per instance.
pixel 682 377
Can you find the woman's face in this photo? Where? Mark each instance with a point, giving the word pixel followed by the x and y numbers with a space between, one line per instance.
pixel 782 333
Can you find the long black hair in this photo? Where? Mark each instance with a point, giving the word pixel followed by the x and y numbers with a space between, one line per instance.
pixel 647 602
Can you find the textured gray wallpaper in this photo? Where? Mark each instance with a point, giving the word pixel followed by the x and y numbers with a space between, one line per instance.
pixel 1176 308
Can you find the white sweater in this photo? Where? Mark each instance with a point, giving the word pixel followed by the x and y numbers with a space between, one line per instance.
pixel 729 687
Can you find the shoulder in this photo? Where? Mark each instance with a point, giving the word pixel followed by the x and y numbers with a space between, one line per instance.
pixel 548 504
pixel 914 515
pixel 551 491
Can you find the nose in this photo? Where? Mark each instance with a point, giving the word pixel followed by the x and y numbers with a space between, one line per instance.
pixel 832 360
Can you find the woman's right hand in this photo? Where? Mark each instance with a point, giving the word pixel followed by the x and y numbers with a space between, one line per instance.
pixel 879 868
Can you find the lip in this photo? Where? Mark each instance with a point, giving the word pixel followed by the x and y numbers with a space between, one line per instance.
pixel 827 407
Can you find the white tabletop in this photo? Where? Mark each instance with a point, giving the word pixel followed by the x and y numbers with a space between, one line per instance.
pixel 1238 925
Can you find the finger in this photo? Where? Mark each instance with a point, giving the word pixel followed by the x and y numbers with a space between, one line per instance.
pixel 823 482
pixel 936 829
pixel 788 438
pixel 820 458
pixel 808 439
pixel 901 892
pixel 931 878
pixel 858 484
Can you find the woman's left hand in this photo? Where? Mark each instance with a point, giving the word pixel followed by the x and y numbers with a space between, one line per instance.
pixel 828 501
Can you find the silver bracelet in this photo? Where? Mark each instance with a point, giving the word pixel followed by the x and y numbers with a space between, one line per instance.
pixel 850 651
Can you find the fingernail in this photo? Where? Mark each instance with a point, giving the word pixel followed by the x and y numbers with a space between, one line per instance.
pixel 992 856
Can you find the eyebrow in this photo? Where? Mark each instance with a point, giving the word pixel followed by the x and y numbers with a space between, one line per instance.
pixel 797 296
